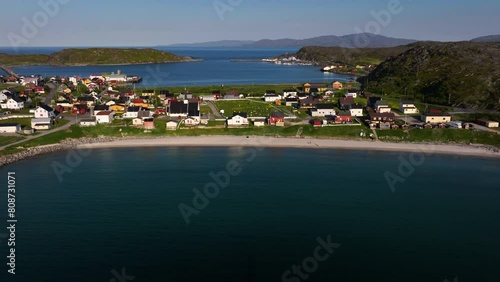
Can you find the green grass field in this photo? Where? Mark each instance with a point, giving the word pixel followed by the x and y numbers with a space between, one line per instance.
pixel 444 135
pixel 253 108
pixel 6 140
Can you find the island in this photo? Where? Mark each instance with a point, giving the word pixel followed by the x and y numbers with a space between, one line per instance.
pixel 93 56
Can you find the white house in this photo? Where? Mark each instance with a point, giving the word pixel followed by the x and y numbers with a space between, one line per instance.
pixel 137 122
pixel 44 111
pixel 88 122
pixel 132 112
pixel 13 104
pixel 289 93
pixel 4 95
pixel 10 128
pixel 41 123
pixel 356 110
pixel 352 94
pixel 272 97
pixel 171 125
pixel 382 106
pixel 191 121
pixel 238 119
pixel 323 110
pixel 407 107
pixel 105 116
pixel 26 80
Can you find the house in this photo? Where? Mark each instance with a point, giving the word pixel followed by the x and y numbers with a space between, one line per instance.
pixel 105 116
pixel 302 95
pixel 137 122
pixel 385 125
pixel 41 123
pixel 29 80
pixel 4 95
pixel 14 103
pixel 164 94
pixel 88 122
pixel 271 97
pixel 259 122
pixel 436 118
pixel 352 93
pixel 186 95
pixel 319 87
pixel 10 127
pixel 238 119
pixel 356 110
pixel 184 108
pixel 39 90
pixel 343 117
pixel 291 102
pixel 216 94
pixel 149 123
pixel 382 106
pixel 79 109
pixel 192 121
pixel 308 103
pixel 44 111
pixel 289 93
pixel 138 102
pixel 277 118
pixel 317 122
pixel 232 95
pixel 407 107
pixel 148 92
pixel 132 112
pixel 171 125
pixel 381 117
pixel 487 123
pixel 323 110
pixel 346 103
pixel 100 108
pixel 89 100
pixel 337 85
pixel 372 101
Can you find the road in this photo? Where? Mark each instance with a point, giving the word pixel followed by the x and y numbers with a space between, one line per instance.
pixel 215 112
pixel 50 96
pixel 42 133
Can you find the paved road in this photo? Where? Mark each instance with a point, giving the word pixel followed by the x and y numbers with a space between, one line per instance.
pixel 214 110
pixel 50 96
pixel 42 133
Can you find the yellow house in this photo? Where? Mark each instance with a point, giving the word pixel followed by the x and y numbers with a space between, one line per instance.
pixel 117 108
pixel 320 86
pixel 337 85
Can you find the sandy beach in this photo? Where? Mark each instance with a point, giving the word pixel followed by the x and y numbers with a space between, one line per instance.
pixel 273 142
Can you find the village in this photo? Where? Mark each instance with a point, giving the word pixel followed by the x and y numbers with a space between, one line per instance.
pixel 102 100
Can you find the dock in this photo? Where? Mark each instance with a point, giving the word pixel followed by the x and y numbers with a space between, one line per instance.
pixel 9 71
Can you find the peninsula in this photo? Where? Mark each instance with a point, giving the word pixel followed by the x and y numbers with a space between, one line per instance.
pixel 94 56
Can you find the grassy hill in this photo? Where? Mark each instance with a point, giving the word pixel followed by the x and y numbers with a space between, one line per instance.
pixel 94 56
pixel 461 74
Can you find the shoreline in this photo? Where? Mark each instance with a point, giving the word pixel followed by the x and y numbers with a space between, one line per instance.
pixel 473 150
pixel 299 143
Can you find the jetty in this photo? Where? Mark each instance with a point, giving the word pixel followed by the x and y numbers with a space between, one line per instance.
pixel 9 71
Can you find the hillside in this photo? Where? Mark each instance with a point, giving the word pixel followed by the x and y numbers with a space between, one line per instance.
pixel 93 56
pixel 462 74
pixel 350 56
pixel 361 40
pixel 221 43
pixel 489 38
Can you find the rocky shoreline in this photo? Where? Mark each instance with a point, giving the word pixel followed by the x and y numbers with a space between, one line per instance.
pixel 64 145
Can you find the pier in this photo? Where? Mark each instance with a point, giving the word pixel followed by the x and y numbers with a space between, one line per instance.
pixel 9 71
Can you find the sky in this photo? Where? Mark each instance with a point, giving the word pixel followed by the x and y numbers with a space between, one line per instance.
pixel 162 22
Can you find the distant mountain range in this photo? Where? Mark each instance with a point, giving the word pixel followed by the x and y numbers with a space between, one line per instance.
pixel 360 40
pixel 489 38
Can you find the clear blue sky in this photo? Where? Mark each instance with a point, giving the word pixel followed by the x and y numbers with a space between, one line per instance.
pixel 161 22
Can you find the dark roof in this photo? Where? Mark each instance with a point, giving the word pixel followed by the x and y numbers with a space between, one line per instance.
pixel 133 109
pixel 86 98
pixel 357 106
pixel 291 99
pixel 47 108
pixel 270 91
pixel 17 99
pixel 164 92
pixel 302 94
pixel 277 114
pixel 325 106
pixel 177 107
pixel 8 124
pixel 193 109
pixel 242 114
pixel 289 90
pixel 101 108
pixel 271 95
pixel 373 100
pixel 344 113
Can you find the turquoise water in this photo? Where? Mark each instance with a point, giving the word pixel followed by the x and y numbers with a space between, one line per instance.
pixel 216 69
pixel 120 209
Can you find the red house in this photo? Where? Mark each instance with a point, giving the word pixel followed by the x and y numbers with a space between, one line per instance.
pixel 80 109
pixel 277 117
pixel 39 89
pixel 343 117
